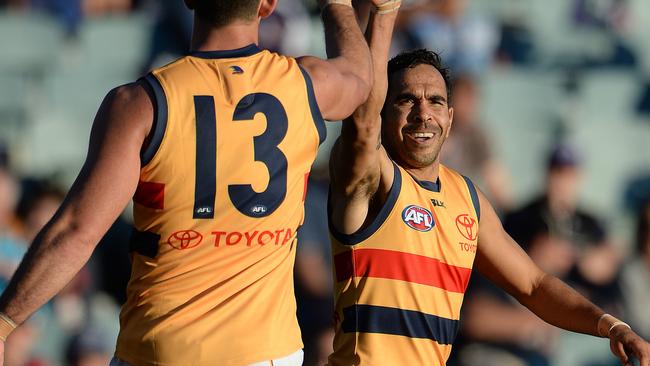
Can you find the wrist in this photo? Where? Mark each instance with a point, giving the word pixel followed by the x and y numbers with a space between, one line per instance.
pixel 6 326
pixel 388 7
pixel 608 323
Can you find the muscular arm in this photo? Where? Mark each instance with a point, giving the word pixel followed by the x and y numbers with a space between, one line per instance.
pixel 103 188
pixel 502 261
pixel 342 82
pixel 358 159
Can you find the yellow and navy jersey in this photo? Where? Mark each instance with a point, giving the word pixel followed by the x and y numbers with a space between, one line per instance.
pixel 400 282
pixel 220 198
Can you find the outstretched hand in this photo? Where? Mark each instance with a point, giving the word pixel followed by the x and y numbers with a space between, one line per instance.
pixel 626 344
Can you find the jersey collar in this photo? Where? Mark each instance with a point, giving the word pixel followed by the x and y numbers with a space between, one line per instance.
pixel 249 50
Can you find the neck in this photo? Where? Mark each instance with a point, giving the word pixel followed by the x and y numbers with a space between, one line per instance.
pixel 428 173
pixel 229 37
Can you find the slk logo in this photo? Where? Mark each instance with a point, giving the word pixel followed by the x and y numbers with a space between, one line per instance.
pixel 467 226
pixel 418 218
pixel 185 239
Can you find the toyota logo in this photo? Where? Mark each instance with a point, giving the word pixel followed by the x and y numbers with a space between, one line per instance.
pixel 467 226
pixel 185 239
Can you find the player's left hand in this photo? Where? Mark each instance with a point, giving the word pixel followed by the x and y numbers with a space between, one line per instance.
pixel 626 344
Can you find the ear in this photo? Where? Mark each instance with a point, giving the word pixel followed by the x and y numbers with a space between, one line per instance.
pixel 266 8
pixel 451 120
pixel 189 4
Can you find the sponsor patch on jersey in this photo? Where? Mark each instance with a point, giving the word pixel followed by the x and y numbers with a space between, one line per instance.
pixel 418 218
pixel 467 227
pixel 258 210
pixel 184 239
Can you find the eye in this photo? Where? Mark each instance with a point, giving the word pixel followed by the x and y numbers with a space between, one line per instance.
pixel 405 101
pixel 437 101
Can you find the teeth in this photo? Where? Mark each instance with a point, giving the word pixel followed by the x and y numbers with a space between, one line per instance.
pixel 423 134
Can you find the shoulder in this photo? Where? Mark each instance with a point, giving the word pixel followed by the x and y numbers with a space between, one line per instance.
pixel 129 107
pixel 131 95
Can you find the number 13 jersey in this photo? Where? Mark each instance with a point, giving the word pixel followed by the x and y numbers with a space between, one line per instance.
pixel 220 198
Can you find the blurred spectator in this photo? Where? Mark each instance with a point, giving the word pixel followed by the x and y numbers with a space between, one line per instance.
pixel 637 192
pixel 636 277
pixel 88 348
pixel 643 105
pixel 516 40
pixel 612 19
pixel 467 42
pixel 70 13
pixel 314 274
pixel 12 247
pixel 19 347
pixel 468 148
pixel 37 205
pixel 171 33
pixel 103 7
pixel 288 29
pixel 4 156
pixel 555 214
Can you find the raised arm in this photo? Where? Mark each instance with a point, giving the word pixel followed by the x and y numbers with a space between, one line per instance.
pixel 358 160
pixel 105 185
pixel 502 261
pixel 343 81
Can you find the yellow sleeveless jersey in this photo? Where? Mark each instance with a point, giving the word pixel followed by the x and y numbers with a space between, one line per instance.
pixel 400 282
pixel 220 198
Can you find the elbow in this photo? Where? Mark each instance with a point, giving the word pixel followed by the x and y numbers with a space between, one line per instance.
pixel 365 86
pixel 69 234
pixel 534 287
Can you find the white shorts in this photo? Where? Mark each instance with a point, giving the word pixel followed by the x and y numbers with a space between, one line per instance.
pixel 294 359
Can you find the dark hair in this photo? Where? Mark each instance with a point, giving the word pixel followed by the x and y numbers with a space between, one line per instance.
pixel 222 12
pixel 411 59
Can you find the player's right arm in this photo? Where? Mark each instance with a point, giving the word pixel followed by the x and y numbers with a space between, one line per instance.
pixel 360 167
pixel 342 82
pixel 105 185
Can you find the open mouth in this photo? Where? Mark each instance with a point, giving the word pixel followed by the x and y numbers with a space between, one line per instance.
pixel 421 136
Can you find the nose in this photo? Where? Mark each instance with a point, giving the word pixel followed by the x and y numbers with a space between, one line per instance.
pixel 422 114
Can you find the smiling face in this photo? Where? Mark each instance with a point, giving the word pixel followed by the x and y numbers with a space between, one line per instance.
pixel 416 117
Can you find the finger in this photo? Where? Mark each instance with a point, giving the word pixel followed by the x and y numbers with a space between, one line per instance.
pixel 644 359
pixel 619 351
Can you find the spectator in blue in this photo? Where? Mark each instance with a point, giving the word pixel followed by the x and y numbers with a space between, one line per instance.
pixel 12 247
pixel 467 42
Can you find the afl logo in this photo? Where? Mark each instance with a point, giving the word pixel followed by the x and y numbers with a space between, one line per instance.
pixel 185 239
pixel 258 210
pixel 418 218
pixel 466 226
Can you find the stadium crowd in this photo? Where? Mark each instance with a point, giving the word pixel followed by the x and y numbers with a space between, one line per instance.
pixel 604 254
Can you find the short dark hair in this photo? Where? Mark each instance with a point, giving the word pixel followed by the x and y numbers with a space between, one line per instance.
pixel 222 12
pixel 422 56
